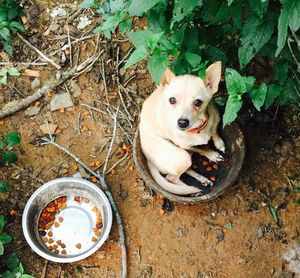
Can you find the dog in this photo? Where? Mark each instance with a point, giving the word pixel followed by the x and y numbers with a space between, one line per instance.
pixel 176 117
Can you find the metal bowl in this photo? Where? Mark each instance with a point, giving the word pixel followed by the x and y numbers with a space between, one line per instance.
pixel 235 153
pixel 53 190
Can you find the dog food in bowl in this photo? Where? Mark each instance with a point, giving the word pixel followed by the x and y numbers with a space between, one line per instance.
pixel 70 225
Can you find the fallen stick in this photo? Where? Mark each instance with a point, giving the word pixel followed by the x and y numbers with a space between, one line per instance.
pixel 39 52
pixel 16 105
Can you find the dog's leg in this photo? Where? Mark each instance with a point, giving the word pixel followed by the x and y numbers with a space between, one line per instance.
pixel 211 155
pixel 219 143
pixel 203 180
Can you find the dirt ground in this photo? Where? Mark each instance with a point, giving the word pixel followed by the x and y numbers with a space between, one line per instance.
pixel 231 236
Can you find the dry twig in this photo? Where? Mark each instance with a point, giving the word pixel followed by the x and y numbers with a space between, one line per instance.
pixel 38 51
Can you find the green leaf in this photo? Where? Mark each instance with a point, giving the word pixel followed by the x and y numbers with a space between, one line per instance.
pixel 258 96
pixel 237 84
pixel 295 17
pixel 5 34
pixel 229 2
pixel 111 23
pixel 273 212
pixel 297 202
pixel 136 56
pixel 87 4
pixel 3 13
pixel 3 71
pixel 17 26
pixel 193 59
pixel 288 93
pixel 12 139
pixel 157 65
pixel 259 7
pixel 125 26
pixel 156 18
pixel 2 222
pixel 4 80
pixel 9 157
pixel 26 276
pixel 1 249
pixel 145 38
pixel 183 8
pixel 4 187
pixel 116 6
pixel 9 274
pixel 234 12
pixel 21 268
pixel 13 72
pixel 281 71
pixel 13 262
pixel 177 37
pixel 8 47
pixel 273 93
pixel 139 7
pixel 5 238
pixel 233 106
pixel 153 41
pixel 249 81
pixel 252 42
pixel 1 144
pixel 283 23
pixel 296 190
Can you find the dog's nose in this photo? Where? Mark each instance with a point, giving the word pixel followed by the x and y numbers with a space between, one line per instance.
pixel 183 123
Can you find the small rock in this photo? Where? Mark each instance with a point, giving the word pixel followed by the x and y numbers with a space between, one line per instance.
pixel 83 21
pixel 223 212
pixel 48 128
pixel 63 100
pixel 83 173
pixel 123 194
pixel 32 111
pixel 181 232
pixel 167 205
pixel 35 83
pixel 259 232
pixel 75 89
pixel 77 175
pixel 241 259
pixel 58 12
pixel 220 236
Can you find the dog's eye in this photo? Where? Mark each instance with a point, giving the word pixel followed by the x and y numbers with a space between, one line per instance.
pixel 197 103
pixel 172 100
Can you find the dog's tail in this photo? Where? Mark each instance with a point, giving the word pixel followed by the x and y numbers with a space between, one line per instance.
pixel 179 189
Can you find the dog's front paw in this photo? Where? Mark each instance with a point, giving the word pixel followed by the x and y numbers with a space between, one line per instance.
pixel 220 145
pixel 214 156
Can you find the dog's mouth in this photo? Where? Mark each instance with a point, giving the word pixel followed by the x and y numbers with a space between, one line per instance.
pixel 199 128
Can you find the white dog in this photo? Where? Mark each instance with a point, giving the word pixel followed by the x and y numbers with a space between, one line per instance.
pixel 176 117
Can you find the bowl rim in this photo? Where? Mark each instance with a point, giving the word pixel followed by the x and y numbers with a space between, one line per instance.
pixel 81 256
pixel 180 198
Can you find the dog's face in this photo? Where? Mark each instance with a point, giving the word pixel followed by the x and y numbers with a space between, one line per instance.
pixel 186 97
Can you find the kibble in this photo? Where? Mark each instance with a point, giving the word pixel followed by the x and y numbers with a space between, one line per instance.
pixel 78 245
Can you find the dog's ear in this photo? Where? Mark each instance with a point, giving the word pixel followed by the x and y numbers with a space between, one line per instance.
pixel 213 76
pixel 167 77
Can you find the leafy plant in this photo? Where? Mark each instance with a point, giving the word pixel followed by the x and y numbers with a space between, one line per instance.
pixel 15 268
pixel 4 238
pixel 10 140
pixel 187 35
pixel 4 72
pixel 9 14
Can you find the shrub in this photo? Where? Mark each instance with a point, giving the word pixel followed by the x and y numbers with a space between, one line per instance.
pixel 188 34
pixel 9 14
